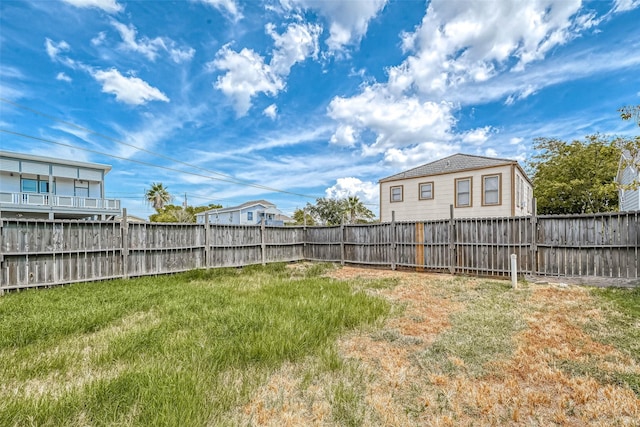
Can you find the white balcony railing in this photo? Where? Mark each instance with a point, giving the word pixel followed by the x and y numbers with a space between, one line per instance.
pixel 54 200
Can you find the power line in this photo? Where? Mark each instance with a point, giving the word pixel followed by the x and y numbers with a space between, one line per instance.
pixel 154 165
pixel 229 178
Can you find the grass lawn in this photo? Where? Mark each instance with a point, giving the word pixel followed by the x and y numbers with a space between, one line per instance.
pixel 312 344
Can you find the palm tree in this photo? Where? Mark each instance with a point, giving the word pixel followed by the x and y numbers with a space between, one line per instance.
pixel 157 195
pixel 356 210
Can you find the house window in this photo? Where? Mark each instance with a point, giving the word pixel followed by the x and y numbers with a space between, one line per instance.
pixel 36 186
pixel 491 189
pixel 426 190
pixel 81 188
pixel 29 186
pixel 463 192
pixel 396 193
pixel 249 216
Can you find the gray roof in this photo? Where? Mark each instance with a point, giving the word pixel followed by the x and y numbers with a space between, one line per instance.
pixel 454 163
pixel 33 157
pixel 264 203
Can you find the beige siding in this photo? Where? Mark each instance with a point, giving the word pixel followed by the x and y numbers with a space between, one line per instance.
pixel 413 209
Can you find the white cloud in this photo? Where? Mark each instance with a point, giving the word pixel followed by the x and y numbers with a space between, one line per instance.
pixel 366 191
pixel 477 136
pixel 63 77
pixel 99 39
pixel 490 152
pixel 515 140
pixel 271 111
pixel 407 158
pixel 396 121
pixel 344 135
pixel 246 75
pixel 54 49
pixel 150 47
pixel 463 42
pixel 109 6
pixel 130 90
pixel 296 44
pixel 179 55
pixel 463 53
pixel 348 20
pixel 625 5
pixel 228 7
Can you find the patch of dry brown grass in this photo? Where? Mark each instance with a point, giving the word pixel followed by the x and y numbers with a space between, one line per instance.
pixel 528 387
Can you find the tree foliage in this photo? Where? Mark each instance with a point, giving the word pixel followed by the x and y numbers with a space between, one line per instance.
pixel 302 217
pixel 158 195
pixel 631 146
pixel 176 213
pixel 575 177
pixel 630 112
pixel 329 211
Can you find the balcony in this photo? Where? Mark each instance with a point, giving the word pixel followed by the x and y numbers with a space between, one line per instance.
pixel 37 202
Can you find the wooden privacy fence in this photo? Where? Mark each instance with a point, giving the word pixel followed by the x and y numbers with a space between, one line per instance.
pixel 44 253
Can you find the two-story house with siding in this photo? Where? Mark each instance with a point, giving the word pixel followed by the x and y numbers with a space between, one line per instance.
pixel 49 188
pixel 249 213
pixel 475 186
pixel 628 174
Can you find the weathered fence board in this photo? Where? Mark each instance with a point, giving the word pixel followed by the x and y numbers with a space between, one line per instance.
pixel 46 253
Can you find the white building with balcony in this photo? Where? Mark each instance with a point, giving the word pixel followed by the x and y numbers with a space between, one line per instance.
pixel 49 188
pixel 249 213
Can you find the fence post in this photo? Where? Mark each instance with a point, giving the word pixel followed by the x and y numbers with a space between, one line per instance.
pixel 342 244
pixel 124 232
pixel 534 237
pixel 207 240
pixel 419 238
pixel 1 256
pixel 263 245
pixel 394 246
pixel 452 242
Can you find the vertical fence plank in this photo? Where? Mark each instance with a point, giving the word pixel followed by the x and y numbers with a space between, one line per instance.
pixel 394 245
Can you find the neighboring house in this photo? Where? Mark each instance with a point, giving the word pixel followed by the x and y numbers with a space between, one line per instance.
pixel 628 173
pixel 249 213
pixel 49 188
pixel 476 187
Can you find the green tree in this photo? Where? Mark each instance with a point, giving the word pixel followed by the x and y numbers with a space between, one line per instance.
pixel 329 211
pixel 176 213
pixel 576 177
pixel 630 112
pixel 299 216
pixel 357 211
pixel 157 196
pixel 631 146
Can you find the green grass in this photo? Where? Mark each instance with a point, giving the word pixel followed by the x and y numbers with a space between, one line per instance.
pixel 482 332
pixel 622 326
pixel 621 329
pixel 170 350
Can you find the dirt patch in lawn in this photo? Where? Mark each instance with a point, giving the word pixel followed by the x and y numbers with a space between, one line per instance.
pixel 557 374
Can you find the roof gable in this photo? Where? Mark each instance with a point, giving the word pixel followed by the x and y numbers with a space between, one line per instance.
pixel 455 163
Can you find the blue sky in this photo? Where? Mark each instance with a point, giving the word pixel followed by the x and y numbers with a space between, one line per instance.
pixel 229 101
